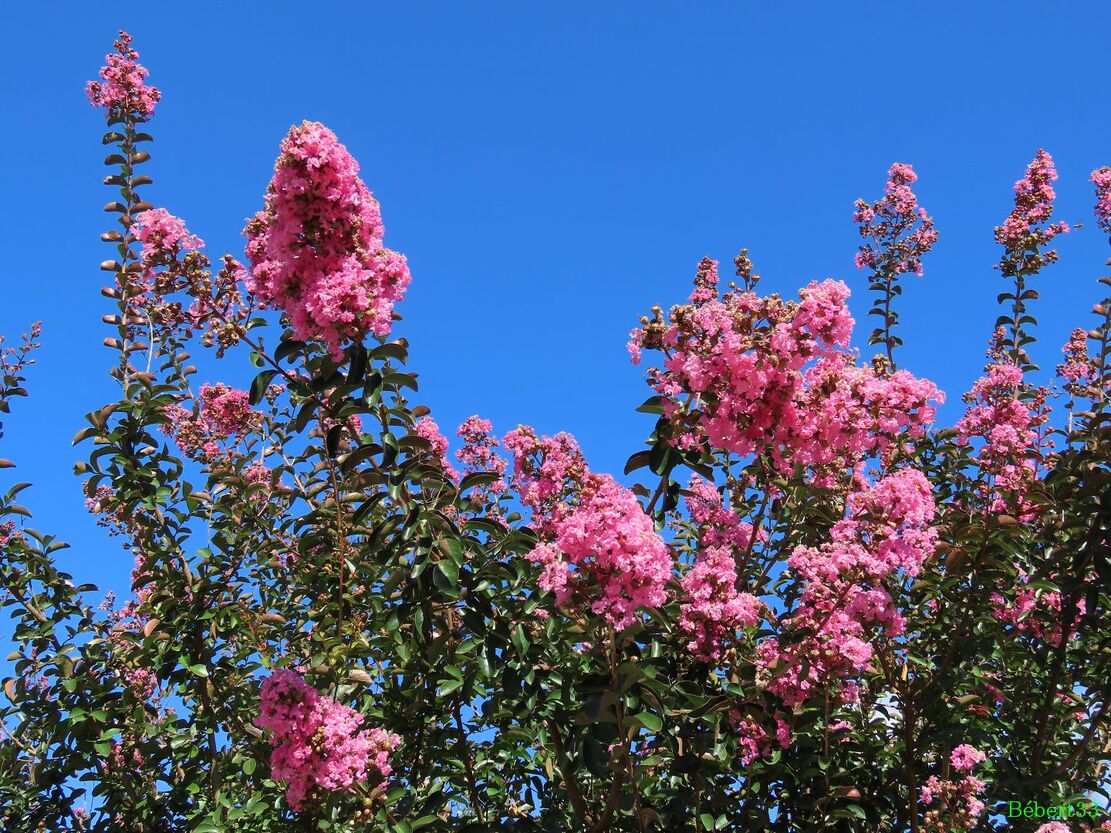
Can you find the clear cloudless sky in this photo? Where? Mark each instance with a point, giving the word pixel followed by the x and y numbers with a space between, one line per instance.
pixel 551 170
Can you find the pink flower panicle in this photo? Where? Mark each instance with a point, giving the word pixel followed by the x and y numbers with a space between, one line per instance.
pixel 548 474
pixel 717 525
pixel 427 429
pixel 1078 371
pixel 1036 613
pixel 1027 230
pixel 954 804
pixel 897 228
pixel 225 410
pixel 750 375
pixel 705 282
pixel 951 805
pixel 888 530
pixel 122 90
pixel 598 548
pixel 319 745
pixel 479 454
pixel 172 262
pixel 713 610
pixel 1007 418
pixel 316 247
pixel 160 232
pixel 965 757
pixel 1101 178
pixel 609 555
pixel 223 413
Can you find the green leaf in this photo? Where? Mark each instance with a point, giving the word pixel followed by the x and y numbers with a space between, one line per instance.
pixel 448 687
pixel 260 384
pixel 448 569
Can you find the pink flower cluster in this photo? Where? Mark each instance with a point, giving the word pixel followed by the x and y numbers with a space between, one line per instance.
pixel 548 473
pixel 1078 368
pixel 478 454
pixel 1027 228
pixel 898 229
pixel 713 610
pixel 954 805
pixel 1007 417
pixel 172 263
pixel 887 529
pixel 316 247
pixel 121 89
pixel 965 757
pixel 751 375
pixel 717 525
pixel 1037 613
pixel 426 428
pixel 225 410
pixel 161 232
pixel 597 548
pixel 752 739
pixel 607 552
pixel 223 413
pixel 1101 178
pixel 319 744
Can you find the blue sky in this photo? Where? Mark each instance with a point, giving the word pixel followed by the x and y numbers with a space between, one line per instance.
pixel 551 171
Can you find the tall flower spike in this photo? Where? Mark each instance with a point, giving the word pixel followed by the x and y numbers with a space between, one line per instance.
pixel 1025 237
pixel 899 234
pixel 316 247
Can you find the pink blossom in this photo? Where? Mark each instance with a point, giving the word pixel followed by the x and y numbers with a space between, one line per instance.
pixel 175 268
pixel 1078 368
pixel 713 610
pixel 427 429
pixel 226 411
pixel 898 230
pixel 121 89
pixel 633 345
pixel 1027 229
pixel 159 232
pixel 783 731
pixel 1031 611
pixel 750 375
pixel 717 526
pixel 1009 430
pixel 1101 178
pixel 888 529
pixel 1053 827
pixel 951 805
pixel 752 740
pixel 479 454
pixel 257 472
pixel 615 560
pixel 965 757
pixel 319 744
pixel 705 282
pixel 547 473
pixel 316 247
pixel 223 414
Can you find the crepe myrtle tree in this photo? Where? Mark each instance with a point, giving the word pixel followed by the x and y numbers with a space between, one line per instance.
pixel 815 610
